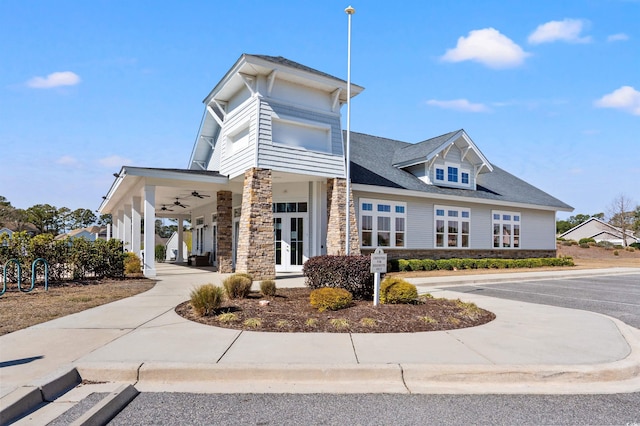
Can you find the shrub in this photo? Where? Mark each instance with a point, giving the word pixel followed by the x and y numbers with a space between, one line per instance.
pixel 403 265
pixel 396 290
pixel 244 274
pixel 429 265
pixel 206 299
pixel 630 249
pixel 586 241
pixel 339 323
pixel 635 245
pixel 227 317
pixel 351 273
pixel 332 299
pixel 616 253
pixel 268 287
pixel 160 253
pixel 584 245
pixel 252 322
pixel 237 286
pixel 132 263
pixel 605 244
pixel 415 265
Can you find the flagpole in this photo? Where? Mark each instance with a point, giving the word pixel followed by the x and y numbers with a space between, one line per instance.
pixel 349 11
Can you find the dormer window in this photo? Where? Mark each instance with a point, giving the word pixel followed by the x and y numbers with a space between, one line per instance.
pixel 452 174
pixel 465 178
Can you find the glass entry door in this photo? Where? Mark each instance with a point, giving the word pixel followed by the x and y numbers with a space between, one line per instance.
pixel 290 242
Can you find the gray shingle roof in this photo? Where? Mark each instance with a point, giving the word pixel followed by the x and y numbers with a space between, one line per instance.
pixel 280 60
pixel 420 149
pixel 372 160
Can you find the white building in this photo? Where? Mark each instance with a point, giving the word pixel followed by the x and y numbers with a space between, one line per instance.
pixel 265 184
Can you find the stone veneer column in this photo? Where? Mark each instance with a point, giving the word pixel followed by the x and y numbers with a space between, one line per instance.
pixel 256 252
pixel 336 199
pixel 225 231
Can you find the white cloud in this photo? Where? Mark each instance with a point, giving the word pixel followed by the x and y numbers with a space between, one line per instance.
pixel 625 98
pixel 114 161
pixel 566 30
pixel 618 37
pixel 67 160
pixel 62 78
pixel 489 47
pixel 459 105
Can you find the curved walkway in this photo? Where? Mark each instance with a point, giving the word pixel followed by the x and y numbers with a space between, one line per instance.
pixel 141 340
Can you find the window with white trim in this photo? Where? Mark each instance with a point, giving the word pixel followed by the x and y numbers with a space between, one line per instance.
pixel 382 223
pixel 506 229
pixel 452 226
pixel 452 174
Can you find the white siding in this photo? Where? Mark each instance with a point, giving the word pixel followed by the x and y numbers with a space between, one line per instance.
pixel 234 161
pixel 291 93
pixel 275 156
pixel 537 226
pixel 453 158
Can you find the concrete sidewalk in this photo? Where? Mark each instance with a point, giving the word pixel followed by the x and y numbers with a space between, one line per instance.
pixel 141 340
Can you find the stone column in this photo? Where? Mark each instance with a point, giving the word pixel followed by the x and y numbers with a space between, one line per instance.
pixel 256 252
pixel 225 231
pixel 336 224
pixel 149 266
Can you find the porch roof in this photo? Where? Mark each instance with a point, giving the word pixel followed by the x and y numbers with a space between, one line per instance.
pixel 172 185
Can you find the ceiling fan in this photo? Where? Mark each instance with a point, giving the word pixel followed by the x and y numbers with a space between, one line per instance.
pixel 165 209
pixel 199 195
pixel 179 204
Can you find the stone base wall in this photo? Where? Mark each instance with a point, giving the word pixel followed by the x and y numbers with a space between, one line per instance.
pixel 256 252
pixel 462 254
pixel 225 231
pixel 336 224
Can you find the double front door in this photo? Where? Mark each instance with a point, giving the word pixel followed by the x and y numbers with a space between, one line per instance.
pixel 290 239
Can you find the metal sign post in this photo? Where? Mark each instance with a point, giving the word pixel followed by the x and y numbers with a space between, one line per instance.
pixel 378 266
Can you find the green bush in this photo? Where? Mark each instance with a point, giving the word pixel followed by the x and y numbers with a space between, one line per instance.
pixel 395 290
pixel 582 241
pixel 237 286
pixel 351 273
pixel 635 245
pixel 403 265
pixel 616 253
pixel 415 265
pixel 487 263
pixel 160 252
pixel 268 287
pixel 329 298
pixel 206 299
pixel 584 245
pixel 132 263
pixel 429 264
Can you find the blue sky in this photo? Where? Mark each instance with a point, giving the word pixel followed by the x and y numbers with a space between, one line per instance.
pixel 548 90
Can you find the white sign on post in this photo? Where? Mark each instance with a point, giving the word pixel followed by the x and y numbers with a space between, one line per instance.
pixel 378 266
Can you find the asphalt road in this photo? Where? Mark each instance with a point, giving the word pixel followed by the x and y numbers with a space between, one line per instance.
pixel 370 409
pixel 614 295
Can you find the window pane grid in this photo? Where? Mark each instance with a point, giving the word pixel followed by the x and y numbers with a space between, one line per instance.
pixel 382 223
pixel 506 229
pixel 455 231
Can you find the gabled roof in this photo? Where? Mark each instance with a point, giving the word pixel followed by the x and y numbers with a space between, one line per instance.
pixel 603 226
pixel 425 151
pixel 372 163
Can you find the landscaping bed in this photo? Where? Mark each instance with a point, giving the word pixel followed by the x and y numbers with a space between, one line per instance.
pixel 290 311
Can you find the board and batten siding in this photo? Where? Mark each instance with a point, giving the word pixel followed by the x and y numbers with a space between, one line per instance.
pixel 276 156
pixel 235 162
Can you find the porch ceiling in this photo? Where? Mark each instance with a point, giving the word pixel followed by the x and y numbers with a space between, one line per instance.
pixel 172 186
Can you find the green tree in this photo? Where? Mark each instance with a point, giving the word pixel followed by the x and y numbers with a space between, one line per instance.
pixel 7 211
pixel 81 218
pixel 44 217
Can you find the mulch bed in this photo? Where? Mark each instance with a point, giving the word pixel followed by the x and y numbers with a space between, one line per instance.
pixel 290 311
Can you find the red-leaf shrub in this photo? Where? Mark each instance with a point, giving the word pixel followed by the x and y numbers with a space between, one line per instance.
pixel 351 273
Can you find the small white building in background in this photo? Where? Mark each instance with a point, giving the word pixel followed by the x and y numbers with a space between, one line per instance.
pixel 172 249
pixel 600 231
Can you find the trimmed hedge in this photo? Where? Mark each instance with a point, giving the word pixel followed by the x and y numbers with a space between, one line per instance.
pixel 351 273
pixel 404 265
pixel 67 259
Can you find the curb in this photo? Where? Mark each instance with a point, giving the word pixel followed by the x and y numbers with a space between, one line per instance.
pixel 27 398
pixel 497 278
pixel 108 407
